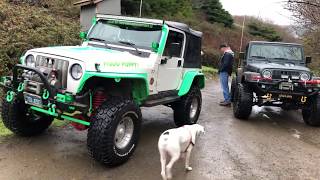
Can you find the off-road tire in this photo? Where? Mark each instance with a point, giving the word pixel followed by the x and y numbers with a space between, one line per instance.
pixel 311 114
pixel 182 108
pixel 243 101
pixel 19 120
pixel 233 86
pixel 102 130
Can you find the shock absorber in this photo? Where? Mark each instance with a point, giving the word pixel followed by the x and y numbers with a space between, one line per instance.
pixel 98 98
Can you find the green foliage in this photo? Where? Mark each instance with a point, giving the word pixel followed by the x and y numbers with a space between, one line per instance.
pixel 24 27
pixel 215 13
pixel 263 30
pixel 209 71
pixel 164 9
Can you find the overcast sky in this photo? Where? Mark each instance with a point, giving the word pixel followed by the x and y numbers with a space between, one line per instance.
pixel 267 9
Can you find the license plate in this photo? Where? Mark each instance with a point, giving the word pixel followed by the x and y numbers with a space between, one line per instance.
pixel 286 86
pixel 33 99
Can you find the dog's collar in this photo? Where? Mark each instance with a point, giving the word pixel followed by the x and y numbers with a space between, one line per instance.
pixel 191 142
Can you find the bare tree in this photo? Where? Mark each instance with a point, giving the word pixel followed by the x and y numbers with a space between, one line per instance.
pixel 305 12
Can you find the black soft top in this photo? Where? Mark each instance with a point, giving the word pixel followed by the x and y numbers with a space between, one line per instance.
pixel 183 27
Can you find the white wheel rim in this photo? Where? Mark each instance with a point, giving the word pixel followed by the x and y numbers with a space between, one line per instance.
pixel 124 132
pixel 194 107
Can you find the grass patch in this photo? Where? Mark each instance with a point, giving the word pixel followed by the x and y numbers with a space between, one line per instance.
pixel 6 132
pixel 59 123
pixel 209 72
pixel 3 130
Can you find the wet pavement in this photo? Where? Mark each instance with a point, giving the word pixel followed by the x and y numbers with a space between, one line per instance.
pixel 272 144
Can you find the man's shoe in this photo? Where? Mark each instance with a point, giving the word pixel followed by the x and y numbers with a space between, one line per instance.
pixel 224 103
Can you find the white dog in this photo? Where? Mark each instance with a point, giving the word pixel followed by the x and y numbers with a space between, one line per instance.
pixel 173 142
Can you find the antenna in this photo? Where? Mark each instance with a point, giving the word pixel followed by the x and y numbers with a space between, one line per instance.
pixel 140 8
pixel 244 19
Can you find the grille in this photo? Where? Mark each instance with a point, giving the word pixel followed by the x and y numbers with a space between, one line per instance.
pixel 47 64
pixel 276 74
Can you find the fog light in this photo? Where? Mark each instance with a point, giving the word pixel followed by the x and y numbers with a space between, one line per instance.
pixel 263 86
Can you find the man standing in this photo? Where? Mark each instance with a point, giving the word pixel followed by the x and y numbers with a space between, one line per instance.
pixel 225 70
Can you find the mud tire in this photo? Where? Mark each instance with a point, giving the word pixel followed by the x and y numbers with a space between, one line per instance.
pixel 101 134
pixel 182 108
pixel 16 118
pixel 311 114
pixel 233 86
pixel 243 101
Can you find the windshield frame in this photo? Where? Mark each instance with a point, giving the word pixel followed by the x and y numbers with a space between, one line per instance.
pixel 128 23
pixel 250 58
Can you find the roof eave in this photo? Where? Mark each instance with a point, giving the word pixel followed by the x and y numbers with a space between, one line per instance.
pixel 87 2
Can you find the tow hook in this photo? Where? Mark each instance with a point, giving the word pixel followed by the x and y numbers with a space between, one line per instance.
pixel 45 94
pixel 52 109
pixel 21 87
pixel 10 96
pixel 303 99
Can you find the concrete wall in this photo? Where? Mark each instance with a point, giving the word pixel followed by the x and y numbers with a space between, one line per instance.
pixel 104 7
pixel 109 7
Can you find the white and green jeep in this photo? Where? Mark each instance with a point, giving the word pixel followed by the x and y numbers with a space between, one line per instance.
pixel 123 64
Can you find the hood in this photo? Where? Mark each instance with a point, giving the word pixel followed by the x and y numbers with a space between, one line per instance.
pixel 258 67
pixel 110 60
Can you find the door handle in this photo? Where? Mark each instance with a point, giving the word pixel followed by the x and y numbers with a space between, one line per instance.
pixel 164 61
pixel 179 63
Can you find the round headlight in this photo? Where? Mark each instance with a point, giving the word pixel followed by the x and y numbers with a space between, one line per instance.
pixel 266 74
pixel 76 71
pixel 30 61
pixel 304 77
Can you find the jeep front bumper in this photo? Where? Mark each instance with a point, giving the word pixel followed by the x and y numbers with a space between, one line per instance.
pixel 43 97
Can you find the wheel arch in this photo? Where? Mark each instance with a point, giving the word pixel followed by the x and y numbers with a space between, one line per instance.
pixel 191 78
pixel 133 85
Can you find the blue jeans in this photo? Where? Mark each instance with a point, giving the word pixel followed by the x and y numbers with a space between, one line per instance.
pixel 224 78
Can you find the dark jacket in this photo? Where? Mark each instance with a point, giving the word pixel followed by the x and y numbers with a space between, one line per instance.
pixel 226 62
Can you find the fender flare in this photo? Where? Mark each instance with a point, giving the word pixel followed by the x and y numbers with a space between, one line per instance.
pixel 189 78
pixel 140 87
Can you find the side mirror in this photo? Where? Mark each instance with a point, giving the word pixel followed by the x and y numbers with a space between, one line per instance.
pixel 308 60
pixel 241 55
pixel 155 46
pixel 175 50
pixel 83 35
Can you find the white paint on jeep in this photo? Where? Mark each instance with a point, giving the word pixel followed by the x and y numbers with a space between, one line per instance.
pixel 110 61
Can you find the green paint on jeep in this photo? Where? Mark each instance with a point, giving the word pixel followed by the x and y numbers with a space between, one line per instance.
pixel 163 40
pixel 65 98
pixel 21 59
pixel 63 116
pixel 140 85
pixel 94 20
pixel 121 64
pixel 130 23
pixel 188 79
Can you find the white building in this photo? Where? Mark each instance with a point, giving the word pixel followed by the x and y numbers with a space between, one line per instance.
pixel 89 8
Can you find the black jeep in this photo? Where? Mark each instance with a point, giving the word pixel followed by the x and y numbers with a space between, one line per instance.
pixel 275 74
